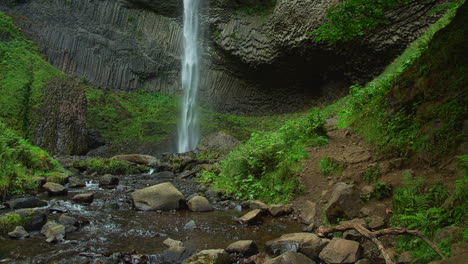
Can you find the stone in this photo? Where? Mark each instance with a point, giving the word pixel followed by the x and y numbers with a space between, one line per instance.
pixel 199 204
pixel 190 225
pixel 341 251
pixel 365 211
pixel 34 220
pixel 405 257
pixel 251 218
pixel 258 205
pixel 174 255
pixel 310 228
pixel 164 175
pixel 215 256
pixel 108 181
pixel 280 209
pixel 71 223
pixel 146 160
pixel 84 198
pixel 211 194
pixel 345 202
pixel 352 235
pixel 291 257
pixel 308 212
pixel 364 261
pixel 459 248
pixel 367 190
pixel 360 221
pixel 53 231
pixel 449 233
pixel 18 233
pixel 377 222
pixel 169 242
pixel 245 247
pixel 306 243
pixel 219 141
pixel 55 188
pixel 27 202
pixel 162 196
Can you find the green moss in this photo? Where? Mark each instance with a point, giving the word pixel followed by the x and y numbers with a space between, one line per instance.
pixel 107 166
pixel 9 222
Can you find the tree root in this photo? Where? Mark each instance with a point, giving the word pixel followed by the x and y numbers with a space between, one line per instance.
pixel 373 236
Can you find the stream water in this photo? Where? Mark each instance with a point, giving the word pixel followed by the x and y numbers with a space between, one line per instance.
pixel 114 226
pixel 188 131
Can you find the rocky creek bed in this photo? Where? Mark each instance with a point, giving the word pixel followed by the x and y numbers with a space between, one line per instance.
pixel 111 230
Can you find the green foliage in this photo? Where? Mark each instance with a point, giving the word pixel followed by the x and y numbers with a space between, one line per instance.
pixel 262 9
pixel 381 190
pixel 266 166
pixel 9 222
pixel 329 166
pixel 353 18
pixel 22 164
pixel 107 166
pixel 425 209
pixel 23 73
pixel 372 174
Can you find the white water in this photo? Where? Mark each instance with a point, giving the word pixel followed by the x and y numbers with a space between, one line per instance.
pixel 188 131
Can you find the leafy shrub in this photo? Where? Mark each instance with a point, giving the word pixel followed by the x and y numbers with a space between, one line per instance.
pixel 9 222
pixel 372 174
pixel 381 190
pixel 107 166
pixel 266 166
pixel 329 166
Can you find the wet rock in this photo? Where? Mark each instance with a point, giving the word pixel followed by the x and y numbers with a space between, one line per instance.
pixel 18 233
pixel 164 175
pixel 108 181
pixel 84 198
pixel 27 202
pixel 280 209
pixel 77 183
pixel 199 204
pixel 306 243
pixel 251 218
pixel 212 256
pixel 258 205
pixel 58 209
pixel 190 225
pixel 405 257
pixel 245 247
pixel 219 141
pixel 139 159
pixel 341 251
pixel 71 223
pixel 345 202
pixel 449 233
pixel 211 194
pixel 35 220
pixel 169 242
pixel 55 188
pixel 53 231
pixel 238 208
pixel 308 212
pixel 377 222
pixel 291 257
pixel 163 196
pixel 174 255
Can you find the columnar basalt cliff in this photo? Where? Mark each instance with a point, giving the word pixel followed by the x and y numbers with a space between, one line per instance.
pixel 254 61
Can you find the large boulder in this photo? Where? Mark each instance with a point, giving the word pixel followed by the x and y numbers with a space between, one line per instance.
pixel 308 212
pixel 245 247
pixel 55 188
pixel 146 160
pixel 35 220
pixel 219 141
pixel 26 202
pixel 306 243
pixel 162 196
pixel 53 231
pixel 345 202
pixel 341 251
pixel 199 204
pixel 108 181
pixel 291 257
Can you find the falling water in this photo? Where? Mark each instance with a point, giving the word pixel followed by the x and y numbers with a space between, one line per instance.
pixel 188 134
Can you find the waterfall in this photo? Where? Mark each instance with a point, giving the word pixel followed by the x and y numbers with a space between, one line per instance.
pixel 188 130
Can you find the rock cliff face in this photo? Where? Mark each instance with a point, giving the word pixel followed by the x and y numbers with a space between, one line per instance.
pixel 258 55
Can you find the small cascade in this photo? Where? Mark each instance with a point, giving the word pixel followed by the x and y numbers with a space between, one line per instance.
pixel 188 131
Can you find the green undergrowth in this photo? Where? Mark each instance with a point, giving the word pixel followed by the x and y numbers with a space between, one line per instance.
pixel 23 74
pixel 418 103
pixel 107 166
pixel 23 164
pixel 266 166
pixel 9 222
pixel 429 209
pixel 329 166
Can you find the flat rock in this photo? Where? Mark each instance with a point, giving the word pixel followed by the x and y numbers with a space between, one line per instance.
pixel 245 247
pixel 308 212
pixel 280 209
pixel 27 202
pixel 18 233
pixel 306 243
pixel 258 205
pixel 199 204
pixel 53 188
pixel 84 198
pixel 341 251
pixel 162 196
pixel 291 257
pixel 251 218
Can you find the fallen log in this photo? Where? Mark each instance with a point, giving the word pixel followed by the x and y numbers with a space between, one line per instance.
pixel 373 236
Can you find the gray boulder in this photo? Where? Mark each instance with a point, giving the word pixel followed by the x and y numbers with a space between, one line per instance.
pixel 108 181
pixel 280 209
pixel 212 256
pixel 199 204
pixel 291 257
pixel 162 196
pixel 55 188
pixel 308 212
pixel 169 242
pixel 27 202
pixel 71 223
pixel 341 251
pixel 218 141
pixel 251 218
pixel 53 231
pixel 306 243
pixel 84 198
pixel 18 233
pixel 345 202
pixel 245 247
